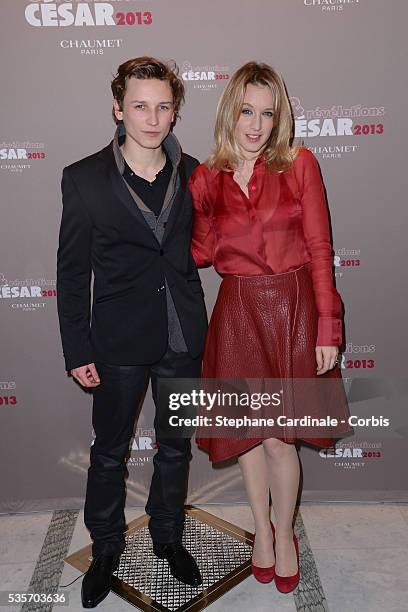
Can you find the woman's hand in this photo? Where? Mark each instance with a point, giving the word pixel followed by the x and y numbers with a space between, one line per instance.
pixel 326 358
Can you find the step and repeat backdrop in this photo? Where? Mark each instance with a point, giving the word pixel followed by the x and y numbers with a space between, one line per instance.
pixel 344 64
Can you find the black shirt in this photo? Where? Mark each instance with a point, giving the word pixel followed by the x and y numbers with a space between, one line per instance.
pixel 151 193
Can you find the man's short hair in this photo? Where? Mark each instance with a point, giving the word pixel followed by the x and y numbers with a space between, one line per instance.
pixel 146 67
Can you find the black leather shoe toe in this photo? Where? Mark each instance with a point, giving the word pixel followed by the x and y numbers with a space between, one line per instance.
pixel 97 580
pixel 182 564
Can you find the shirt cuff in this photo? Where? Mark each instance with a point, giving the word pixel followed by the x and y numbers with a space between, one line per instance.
pixel 329 332
pixel 77 361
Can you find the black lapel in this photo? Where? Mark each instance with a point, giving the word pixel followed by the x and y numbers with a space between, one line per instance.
pixel 120 190
pixel 178 199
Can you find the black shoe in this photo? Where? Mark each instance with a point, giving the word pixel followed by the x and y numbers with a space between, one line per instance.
pixel 97 580
pixel 182 563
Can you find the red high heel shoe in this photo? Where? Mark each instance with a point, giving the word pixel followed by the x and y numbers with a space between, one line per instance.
pixel 286 584
pixel 264 574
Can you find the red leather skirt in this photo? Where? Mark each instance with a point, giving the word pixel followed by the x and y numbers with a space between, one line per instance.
pixel 266 327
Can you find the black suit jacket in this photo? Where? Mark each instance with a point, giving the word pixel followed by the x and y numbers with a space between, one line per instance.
pixel 103 230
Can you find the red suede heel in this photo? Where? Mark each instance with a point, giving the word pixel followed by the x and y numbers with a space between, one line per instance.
pixel 264 574
pixel 286 584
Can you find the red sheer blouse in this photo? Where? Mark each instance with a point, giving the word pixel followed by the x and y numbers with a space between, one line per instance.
pixel 282 225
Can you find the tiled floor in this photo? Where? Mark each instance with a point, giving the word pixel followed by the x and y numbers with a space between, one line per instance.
pixel 360 552
pixel 21 539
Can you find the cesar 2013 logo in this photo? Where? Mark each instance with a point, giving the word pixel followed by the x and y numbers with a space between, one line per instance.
pixel 45 13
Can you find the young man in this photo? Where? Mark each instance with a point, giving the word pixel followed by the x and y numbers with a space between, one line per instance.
pixel 127 217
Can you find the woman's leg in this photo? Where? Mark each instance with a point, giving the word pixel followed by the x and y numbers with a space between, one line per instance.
pixel 283 470
pixel 254 473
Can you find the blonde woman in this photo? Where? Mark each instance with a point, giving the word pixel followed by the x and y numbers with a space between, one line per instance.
pixel 260 218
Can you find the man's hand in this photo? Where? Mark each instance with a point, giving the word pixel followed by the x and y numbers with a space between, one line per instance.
pixel 326 358
pixel 87 375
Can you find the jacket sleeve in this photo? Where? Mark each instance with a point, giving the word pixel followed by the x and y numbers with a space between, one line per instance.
pixel 317 235
pixel 203 238
pixel 74 276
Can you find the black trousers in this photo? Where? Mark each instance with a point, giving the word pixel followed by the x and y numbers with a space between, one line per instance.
pixel 117 401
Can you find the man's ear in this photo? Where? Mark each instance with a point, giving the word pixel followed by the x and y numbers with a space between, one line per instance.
pixel 117 110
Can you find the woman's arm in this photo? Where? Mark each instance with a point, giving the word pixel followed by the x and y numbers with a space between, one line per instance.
pixel 317 235
pixel 203 240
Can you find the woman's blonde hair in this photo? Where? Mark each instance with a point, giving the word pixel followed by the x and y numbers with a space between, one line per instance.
pixel 278 152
